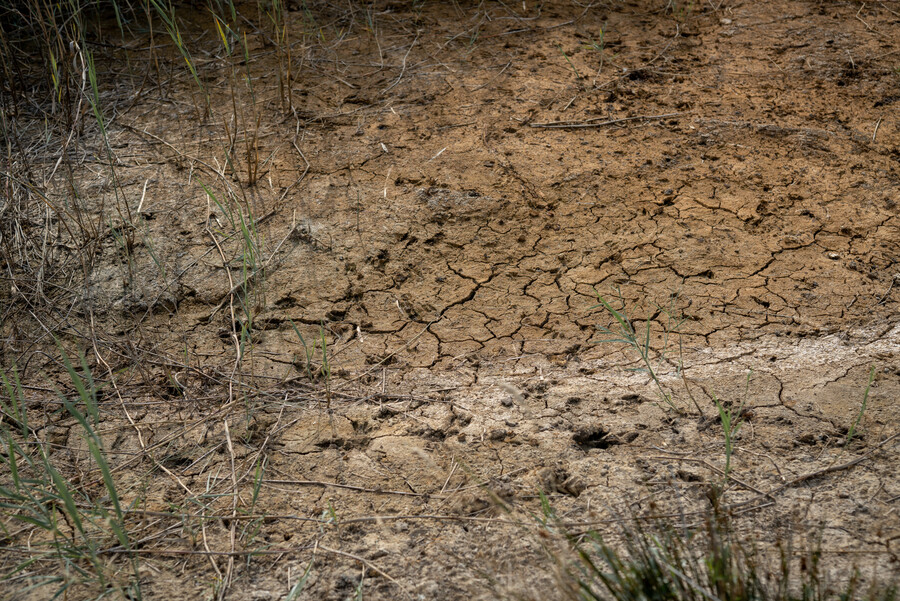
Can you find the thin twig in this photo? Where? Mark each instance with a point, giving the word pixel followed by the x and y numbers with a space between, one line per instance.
pixel 366 563
pixel 229 571
pixel 875 133
pixel 322 484
pixel 403 68
pixel 592 123
pixel 715 469
pixel 821 472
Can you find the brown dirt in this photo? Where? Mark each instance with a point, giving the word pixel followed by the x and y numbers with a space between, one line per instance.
pixel 735 163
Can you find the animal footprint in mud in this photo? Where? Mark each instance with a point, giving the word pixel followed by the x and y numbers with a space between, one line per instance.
pixel 557 479
pixel 598 437
pixel 490 498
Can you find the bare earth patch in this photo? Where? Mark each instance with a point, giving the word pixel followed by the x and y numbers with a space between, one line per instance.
pixel 441 200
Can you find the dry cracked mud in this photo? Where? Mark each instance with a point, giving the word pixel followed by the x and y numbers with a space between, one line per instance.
pixel 455 185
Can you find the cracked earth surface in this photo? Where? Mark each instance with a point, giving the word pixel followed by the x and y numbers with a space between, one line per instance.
pixel 424 208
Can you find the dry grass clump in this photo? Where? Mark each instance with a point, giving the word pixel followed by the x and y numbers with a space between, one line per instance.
pixel 660 560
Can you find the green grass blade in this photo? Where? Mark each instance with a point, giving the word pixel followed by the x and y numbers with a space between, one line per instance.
pixel 62 489
pixel 862 409
pixel 297 588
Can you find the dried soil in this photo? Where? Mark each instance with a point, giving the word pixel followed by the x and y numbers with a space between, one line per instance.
pixel 452 188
